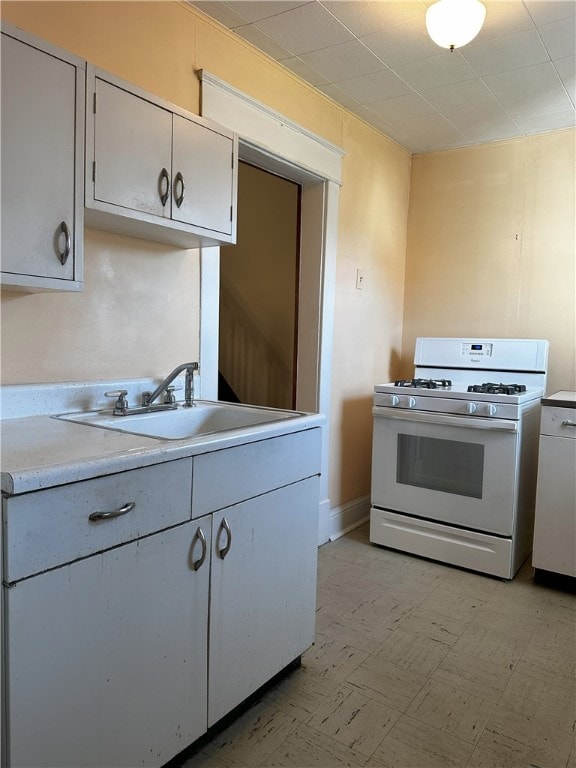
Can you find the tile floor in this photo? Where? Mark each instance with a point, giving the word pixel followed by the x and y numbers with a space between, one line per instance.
pixel 415 665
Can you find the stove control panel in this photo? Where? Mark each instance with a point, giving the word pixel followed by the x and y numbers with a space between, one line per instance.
pixel 407 401
pixel 474 409
pixel 478 349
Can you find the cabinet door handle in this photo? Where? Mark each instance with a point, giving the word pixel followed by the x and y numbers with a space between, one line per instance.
pixel 128 507
pixel 179 181
pixel 224 527
pixel 164 186
pixel 569 423
pixel 63 256
pixel 199 536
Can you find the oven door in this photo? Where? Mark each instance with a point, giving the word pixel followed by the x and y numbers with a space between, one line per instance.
pixel 450 469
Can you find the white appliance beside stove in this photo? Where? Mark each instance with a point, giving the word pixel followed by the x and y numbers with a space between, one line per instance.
pixel 453 470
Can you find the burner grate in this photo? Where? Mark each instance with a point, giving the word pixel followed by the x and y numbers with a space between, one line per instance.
pixel 424 383
pixel 490 388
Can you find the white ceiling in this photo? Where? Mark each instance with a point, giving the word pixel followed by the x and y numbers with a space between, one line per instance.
pixel 517 78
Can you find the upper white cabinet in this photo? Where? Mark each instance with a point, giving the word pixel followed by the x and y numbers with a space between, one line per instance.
pixel 155 171
pixel 138 165
pixel 42 164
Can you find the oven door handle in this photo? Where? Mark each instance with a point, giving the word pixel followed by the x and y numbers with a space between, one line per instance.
pixel 424 417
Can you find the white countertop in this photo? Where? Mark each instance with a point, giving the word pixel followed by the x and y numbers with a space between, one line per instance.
pixel 39 451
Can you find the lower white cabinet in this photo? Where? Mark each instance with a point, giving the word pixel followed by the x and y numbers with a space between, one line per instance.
pixel 263 591
pixel 107 657
pixel 106 621
pixel 134 622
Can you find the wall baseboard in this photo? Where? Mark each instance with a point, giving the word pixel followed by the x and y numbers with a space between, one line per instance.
pixel 324 526
pixel 349 516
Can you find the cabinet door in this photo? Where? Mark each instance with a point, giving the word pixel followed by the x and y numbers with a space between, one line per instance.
pixel 555 519
pixel 107 656
pixel 132 149
pixel 203 158
pixel 41 166
pixel 263 592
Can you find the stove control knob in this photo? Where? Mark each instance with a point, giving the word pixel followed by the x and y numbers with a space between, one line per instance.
pixel 394 400
pixel 411 402
pixel 471 408
pixel 492 409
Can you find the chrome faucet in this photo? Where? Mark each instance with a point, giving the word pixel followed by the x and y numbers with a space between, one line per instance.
pixel 121 407
pixel 149 397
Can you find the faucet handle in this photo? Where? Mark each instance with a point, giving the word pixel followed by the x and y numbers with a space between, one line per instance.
pixel 121 404
pixel 169 396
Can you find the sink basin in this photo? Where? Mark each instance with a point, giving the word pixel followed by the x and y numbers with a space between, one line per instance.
pixel 206 417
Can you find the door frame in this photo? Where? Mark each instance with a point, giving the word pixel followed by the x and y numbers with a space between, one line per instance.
pixel 274 143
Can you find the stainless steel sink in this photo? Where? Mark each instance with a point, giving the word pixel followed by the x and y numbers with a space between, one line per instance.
pixel 204 418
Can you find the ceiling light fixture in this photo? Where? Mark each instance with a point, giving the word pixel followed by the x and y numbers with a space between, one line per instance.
pixel 453 23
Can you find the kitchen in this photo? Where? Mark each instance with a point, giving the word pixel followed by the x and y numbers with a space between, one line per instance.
pixel 476 241
pixel 415 256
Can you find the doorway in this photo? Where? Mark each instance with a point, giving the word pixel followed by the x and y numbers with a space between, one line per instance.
pixel 259 289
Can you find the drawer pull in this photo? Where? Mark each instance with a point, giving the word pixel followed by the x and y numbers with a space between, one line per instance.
pixel 199 536
pixel 128 507
pixel 569 423
pixel 224 527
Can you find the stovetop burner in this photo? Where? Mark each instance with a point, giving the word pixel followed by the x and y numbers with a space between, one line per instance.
pixel 497 389
pixel 424 383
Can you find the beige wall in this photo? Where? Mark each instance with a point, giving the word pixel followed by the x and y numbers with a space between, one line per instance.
pixel 368 322
pixel 126 322
pixel 491 247
pixel 137 316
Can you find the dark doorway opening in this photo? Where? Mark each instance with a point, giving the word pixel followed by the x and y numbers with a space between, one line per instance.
pixel 259 286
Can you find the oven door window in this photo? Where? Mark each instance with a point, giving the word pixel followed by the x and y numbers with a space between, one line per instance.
pixel 440 465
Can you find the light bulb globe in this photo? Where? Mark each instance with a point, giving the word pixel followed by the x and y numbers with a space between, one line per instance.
pixel 454 23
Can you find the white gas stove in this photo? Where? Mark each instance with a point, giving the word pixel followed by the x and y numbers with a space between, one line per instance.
pixel 455 449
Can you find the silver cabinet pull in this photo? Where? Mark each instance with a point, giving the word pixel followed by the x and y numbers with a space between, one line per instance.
pixel 63 256
pixel 569 423
pixel 164 186
pixel 179 181
pixel 226 528
pixel 128 507
pixel 199 536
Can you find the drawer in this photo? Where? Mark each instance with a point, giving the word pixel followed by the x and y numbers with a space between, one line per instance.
pixel 51 527
pixel 227 477
pixel 558 421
